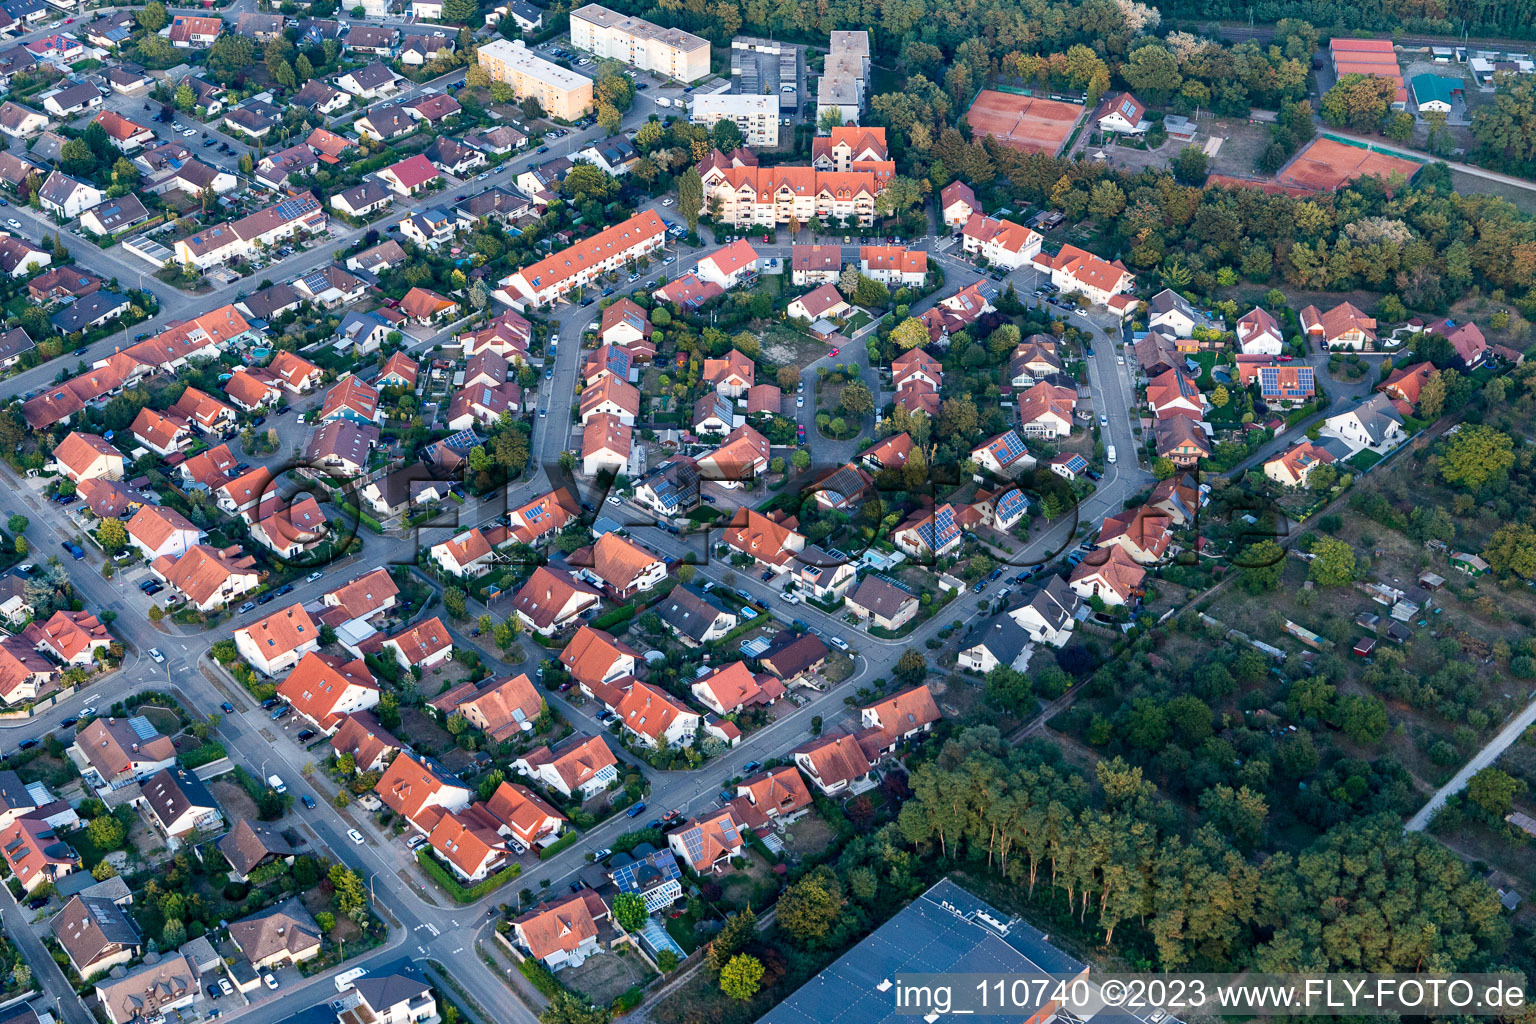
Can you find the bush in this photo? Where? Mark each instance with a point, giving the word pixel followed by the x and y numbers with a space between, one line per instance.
pixel 443 877
pixel 541 978
pixel 569 839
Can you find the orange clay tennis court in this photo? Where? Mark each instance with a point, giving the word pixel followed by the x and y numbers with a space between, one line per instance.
pixel 1024 122
pixel 1326 165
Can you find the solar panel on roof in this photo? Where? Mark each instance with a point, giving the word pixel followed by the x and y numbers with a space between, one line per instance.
pixel 142 727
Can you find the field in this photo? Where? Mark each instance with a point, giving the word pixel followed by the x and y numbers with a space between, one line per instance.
pixel 1326 165
pixel 1026 123
pixel 1523 199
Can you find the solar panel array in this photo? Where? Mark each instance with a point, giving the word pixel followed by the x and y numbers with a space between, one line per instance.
pixel 1009 447
pixel 1011 504
pixel 662 861
pixel 142 727
pixel 946 529
pixel 1270 386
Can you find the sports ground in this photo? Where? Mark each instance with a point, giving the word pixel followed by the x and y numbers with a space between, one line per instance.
pixel 1028 123
pixel 1326 165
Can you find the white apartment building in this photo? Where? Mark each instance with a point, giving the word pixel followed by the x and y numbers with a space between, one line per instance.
pixel 560 91
pixel 639 43
pixel 756 116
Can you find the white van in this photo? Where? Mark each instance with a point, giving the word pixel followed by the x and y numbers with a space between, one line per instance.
pixel 276 782
pixel 1109 454
pixel 345 979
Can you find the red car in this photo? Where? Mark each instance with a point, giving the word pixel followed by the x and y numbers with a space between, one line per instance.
pixel 833 353
pixel 1285 359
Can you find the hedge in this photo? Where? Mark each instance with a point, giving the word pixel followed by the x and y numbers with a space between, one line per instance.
pixel 569 839
pixel 621 614
pixel 444 878
pixel 199 756
pixel 541 977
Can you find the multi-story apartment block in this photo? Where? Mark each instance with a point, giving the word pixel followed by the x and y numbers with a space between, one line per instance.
pixel 756 116
pixel 560 91
pixel 774 195
pixel 576 266
pixel 639 43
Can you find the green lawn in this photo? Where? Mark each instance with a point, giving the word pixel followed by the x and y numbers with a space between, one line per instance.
pixel 1364 459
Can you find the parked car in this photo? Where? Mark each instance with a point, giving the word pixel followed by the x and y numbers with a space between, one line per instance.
pixel 356 836
pixel 249 606
pixel 308 801
pixel 270 980
pixel 751 766
pixel 637 810
pixel 227 708
pixel 305 735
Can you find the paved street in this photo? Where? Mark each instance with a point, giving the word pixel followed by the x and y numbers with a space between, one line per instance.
pixel 428 927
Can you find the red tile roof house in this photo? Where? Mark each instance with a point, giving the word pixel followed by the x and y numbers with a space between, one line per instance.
pixel 467 555
pixel 563 932
pixel 731 376
pixel 420 791
pixel 707 844
pixel 956 204
pixel 602 666
pixel 733 688
pixel 424 645
pixel 523 816
pixel 87 456
pixel 325 689
pixel 72 637
pixel 277 642
pixel 370 744
pixel 584 765
pixel 898 719
pixel 777 798
pixel 1406 384
pixel 618 565
pixel 470 842
pixel 1175 394
pixel 410 175
pixel 160 433
pixel 1002 243
pixel 1343 326
pixel 1468 341
pixel 35 853
pixel 655 718
pixel 1143 532
pixel 824 301
pixel 552 600
pixel 836 764
pixel 500 711
pixel 1076 271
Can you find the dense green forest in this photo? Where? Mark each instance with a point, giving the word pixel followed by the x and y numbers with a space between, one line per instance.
pixel 1109 851
pixel 1490 18
pixel 1039 25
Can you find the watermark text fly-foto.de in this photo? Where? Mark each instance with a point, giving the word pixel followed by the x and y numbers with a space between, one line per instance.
pixel 1155 998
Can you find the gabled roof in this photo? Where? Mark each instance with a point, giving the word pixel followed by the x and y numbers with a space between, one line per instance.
pixel 616 561
pixel 319 682
pixel 409 784
pixel 650 711
pixel 561 925
pixel 282 632
pixel 880 597
pixel 577 761
pixel 591 655
pixel 423 640
pixel 546 595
